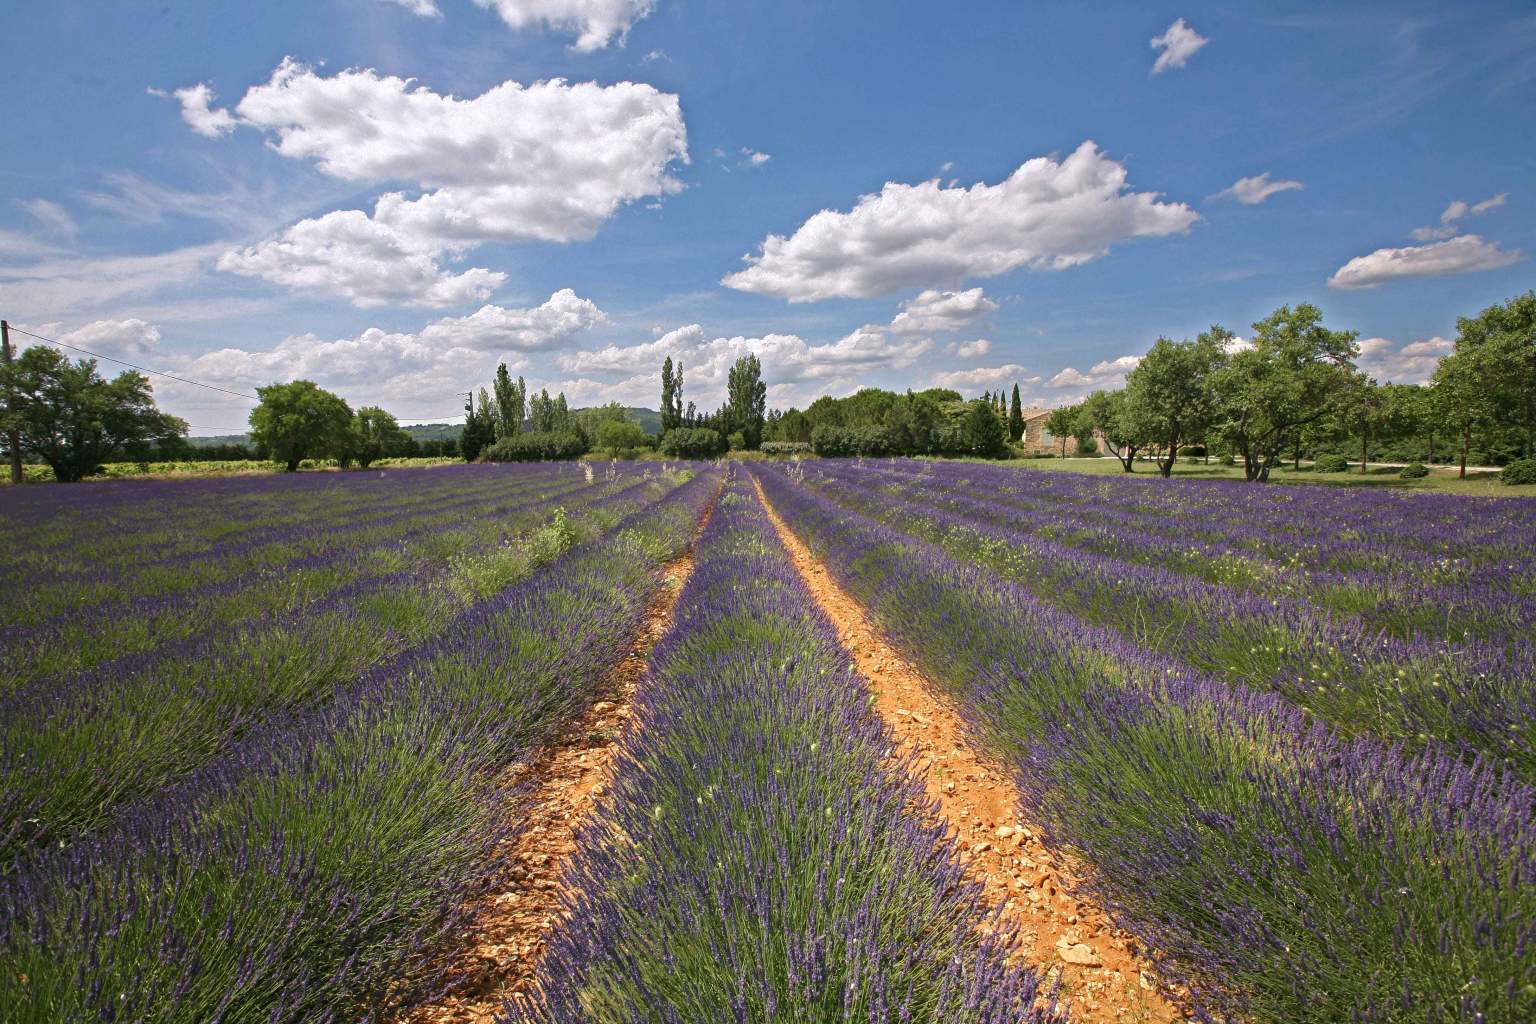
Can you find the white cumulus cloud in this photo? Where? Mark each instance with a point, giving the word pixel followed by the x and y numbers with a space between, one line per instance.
pixel 1458 209
pixel 1254 190
pixel 417 373
pixel 1109 373
pixel 1178 44
pixel 1463 254
pixel 799 370
pixel 1048 215
pixel 1412 363
pixel 348 253
pixel 121 339
pixel 421 8
pixel 934 311
pixel 550 161
pixel 984 377
pixel 969 349
pixel 561 317
pixel 197 110
pixel 595 22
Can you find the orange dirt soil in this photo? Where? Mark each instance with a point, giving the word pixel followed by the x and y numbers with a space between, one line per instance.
pixel 1101 974
pixel 505 940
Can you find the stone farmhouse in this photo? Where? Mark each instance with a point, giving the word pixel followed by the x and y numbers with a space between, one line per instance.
pixel 1037 439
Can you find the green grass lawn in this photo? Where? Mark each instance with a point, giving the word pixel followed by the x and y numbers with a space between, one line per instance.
pixel 1441 478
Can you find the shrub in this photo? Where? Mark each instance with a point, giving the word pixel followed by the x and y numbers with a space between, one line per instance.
pixel 1414 471
pixel 1330 463
pixel 871 441
pixel 982 433
pixel 538 446
pixel 692 443
pixel 1521 471
pixel 1227 460
pixel 622 437
pixel 786 448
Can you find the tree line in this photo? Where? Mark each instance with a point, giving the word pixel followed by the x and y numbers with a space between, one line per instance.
pixel 877 422
pixel 1293 391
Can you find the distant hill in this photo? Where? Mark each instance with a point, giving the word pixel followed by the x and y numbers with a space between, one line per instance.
pixel 649 419
pixel 434 431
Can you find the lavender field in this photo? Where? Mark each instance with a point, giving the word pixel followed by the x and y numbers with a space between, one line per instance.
pixel 271 745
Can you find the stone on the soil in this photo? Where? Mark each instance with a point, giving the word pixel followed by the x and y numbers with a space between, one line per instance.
pixel 1081 955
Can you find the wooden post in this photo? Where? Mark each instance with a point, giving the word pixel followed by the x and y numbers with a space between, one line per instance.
pixel 13 436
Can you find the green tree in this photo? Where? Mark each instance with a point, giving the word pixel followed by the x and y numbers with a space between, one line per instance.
pixel 1169 398
pixel 1062 424
pixel 1015 418
pixel 376 435
pixel 794 425
pixel 70 417
pixel 300 420
pixel 1463 397
pixel 747 400
pixel 1504 338
pixel 620 436
pixel 1105 412
pixel 1373 413
pixel 692 443
pixel 671 395
pixel 479 427
pixel 1414 423
pixel 1291 376
pixel 510 402
pixel 983 433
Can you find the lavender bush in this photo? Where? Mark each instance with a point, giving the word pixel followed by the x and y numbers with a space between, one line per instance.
pixel 759 857
pixel 323 860
pixel 71 749
pixel 1281 871
pixel 1475 694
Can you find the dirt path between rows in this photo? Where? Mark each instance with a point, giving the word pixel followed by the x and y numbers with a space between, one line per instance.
pixel 507 934
pixel 1101 974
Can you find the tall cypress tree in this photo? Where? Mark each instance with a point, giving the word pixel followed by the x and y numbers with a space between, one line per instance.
pixel 1015 417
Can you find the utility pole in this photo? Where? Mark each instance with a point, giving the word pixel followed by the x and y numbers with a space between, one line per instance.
pixel 13 436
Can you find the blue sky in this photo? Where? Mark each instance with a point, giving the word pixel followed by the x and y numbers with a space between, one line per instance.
pixel 1012 192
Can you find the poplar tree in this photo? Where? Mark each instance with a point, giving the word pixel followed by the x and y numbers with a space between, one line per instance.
pixel 668 394
pixel 509 403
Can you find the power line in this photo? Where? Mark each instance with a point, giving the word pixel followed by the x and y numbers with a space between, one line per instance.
pixel 135 366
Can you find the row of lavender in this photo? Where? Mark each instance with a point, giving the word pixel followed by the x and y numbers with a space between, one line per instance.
pixel 1476 694
pixel 758 856
pixel 325 858
pixel 105 606
pixel 73 747
pixel 1329 527
pixel 1278 869
pixel 158 541
pixel 1441 565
